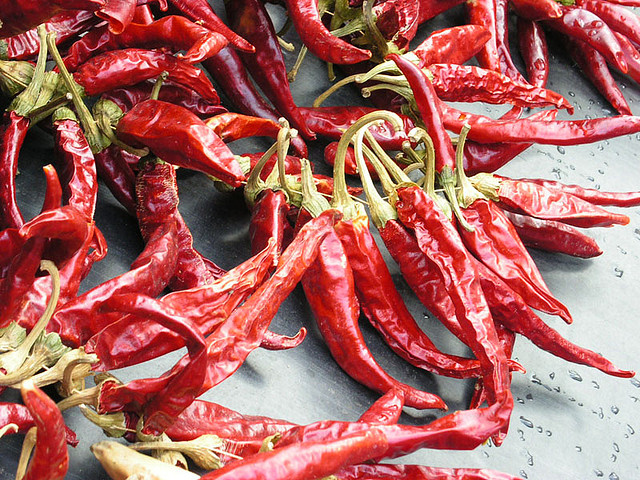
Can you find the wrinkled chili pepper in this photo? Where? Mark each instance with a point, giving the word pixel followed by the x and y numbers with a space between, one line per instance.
pixel 307 459
pixel 586 26
pixel 20 415
pixel 118 13
pixel 50 457
pixel 67 25
pixel 535 10
pixel 511 310
pixel 594 66
pixel 553 236
pixel 249 18
pixel 386 410
pixel 268 220
pixel 231 126
pixel 13 131
pixel 172 32
pixel 241 333
pixel 22 15
pixel 591 195
pixel 532 43
pixel 536 200
pixel 397 21
pixel 418 472
pixel 305 17
pixel 117 175
pixel 76 321
pixel 201 11
pixel 451 45
pixel 157 203
pixel 430 9
pixel 130 66
pixel 133 340
pixel 179 137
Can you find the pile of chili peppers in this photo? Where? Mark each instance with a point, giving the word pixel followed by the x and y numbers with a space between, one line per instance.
pixel 457 230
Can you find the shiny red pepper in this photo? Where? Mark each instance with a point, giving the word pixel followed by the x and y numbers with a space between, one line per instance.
pixel 13 132
pixel 451 45
pixel 386 410
pixel 418 472
pixel 532 43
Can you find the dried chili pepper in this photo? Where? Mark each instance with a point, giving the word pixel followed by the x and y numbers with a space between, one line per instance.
pixel 451 45
pixel 50 458
pixel 268 220
pixel 386 410
pixel 305 17
pixel 172 32
pixel 306 460
pixel 122 343
pixel 429 9
pixel 591 195
pixel 20 416
pixel 266 65
pixel 186 143
pixel 418 472
pixel 535 10
pixel 14 131
pixel 553 236
pixel 117 175
pixel 532 43
pixel 231 126
pixel 536 200
pixel 620 19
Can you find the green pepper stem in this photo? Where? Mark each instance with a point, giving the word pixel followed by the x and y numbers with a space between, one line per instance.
pixel 293 73
pixel 26 100
pixel 283 141
pixel 255 184
pixel 335 87
pixel 155 91
pixel 467 193
pixel 378 42
pixel 312 201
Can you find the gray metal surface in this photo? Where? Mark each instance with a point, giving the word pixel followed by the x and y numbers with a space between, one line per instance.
pixel 569 422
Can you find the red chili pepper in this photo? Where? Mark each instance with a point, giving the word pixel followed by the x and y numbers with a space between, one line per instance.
pixel 22 15
pixel 157 203
pixel 553 236
pixel 266 65
pixel 76 321
pixel 277 342
pixel 306 460
pixel 594 66
pixel 535 10
pixel 418 472
pixel 397 21
pixel 130 66
pixel 229 345
pixel 591 195
pixel 133 340
pixel 620 19
pixel 305 17
pixel 173 33
pixel 532 42
pixel 201 11
pixel 53 191
pixel 66 25
pixel 508 308
pixel 231 126
pixel 13 132
pixel 591 29
pixel 536 200
pixel 76 163
pixel 117 175
pixel 269 220
pixel 451 45
pixel 20 415
pixel 50 458
pixel 386 410
pixel 430 9
pixel 186 143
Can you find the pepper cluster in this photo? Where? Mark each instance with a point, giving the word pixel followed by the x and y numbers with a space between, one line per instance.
pixel 457 230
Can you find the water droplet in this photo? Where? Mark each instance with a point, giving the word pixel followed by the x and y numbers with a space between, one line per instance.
pixel 561 150
pixel 618 272
pixel 548 433
pixel 529 397
pixel 529 458
pixel 521 434
pixel 622 250
pixel 600 147
pixel 520 400
pixel 634 381
pixel 540 429
pixel 575 376
pixel 590 178
pixel 578 448
pixel 557 389
pixel 614 476
pixel 601 171
pixel 572 167
pixel 595 384
pixel 616 447
pixel 572 399
pixel 552 375
pixel 630 429
pixel 523 474
pixel 615 410
pixel 526 422
pixel 599 413
pixel 580 404
pixel 572 94
pixel 613 458
pixel 598 473
pixel 485 453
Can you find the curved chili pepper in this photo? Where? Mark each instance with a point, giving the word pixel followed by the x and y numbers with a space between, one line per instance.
pixel 594 66
pixel 22 15
pixel 186 143
pixel 127 97
pixel 276 342
pixel 496 244
pixel 201 11
pixel 241 333
pixel 231 126
pixel 418 472
pixel 532 43
pixel 76 321
pixel 172 32
pixel 549 132
pixel 76 164
pixel 117 175
pixel 537 201
pixel 631 55
pixel 535 10
pixel 305 17
pixel 489 157
pixel 157 203
pixel 50 457
pixel 133 340
pixel 130 66
pixel 118 14
pixel 553 236
pixel 620 19
pixel 306 460
pixel 508 308
pixel 337 320
pixel 250 19
pixel 268 220
pixel 582 24
pixel 430 9
pixel 451 45
pixel 591 195
pixel 53 192
pixel 13 132
pixel 66 25
pixel 386 410
pixel 21 417
pixel 467 83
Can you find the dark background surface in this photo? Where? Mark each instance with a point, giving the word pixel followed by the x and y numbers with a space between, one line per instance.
pixel 569 422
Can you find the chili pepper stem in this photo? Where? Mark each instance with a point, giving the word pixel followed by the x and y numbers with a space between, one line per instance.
pixel 24 102
pixel 467 193
pixel 88 396
pixel 155 91
pixel 113 424
pixel 9 428
pixel 28 445
pixel 334 88
pixel 45 352
pixel 293 73
pixel 312 201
